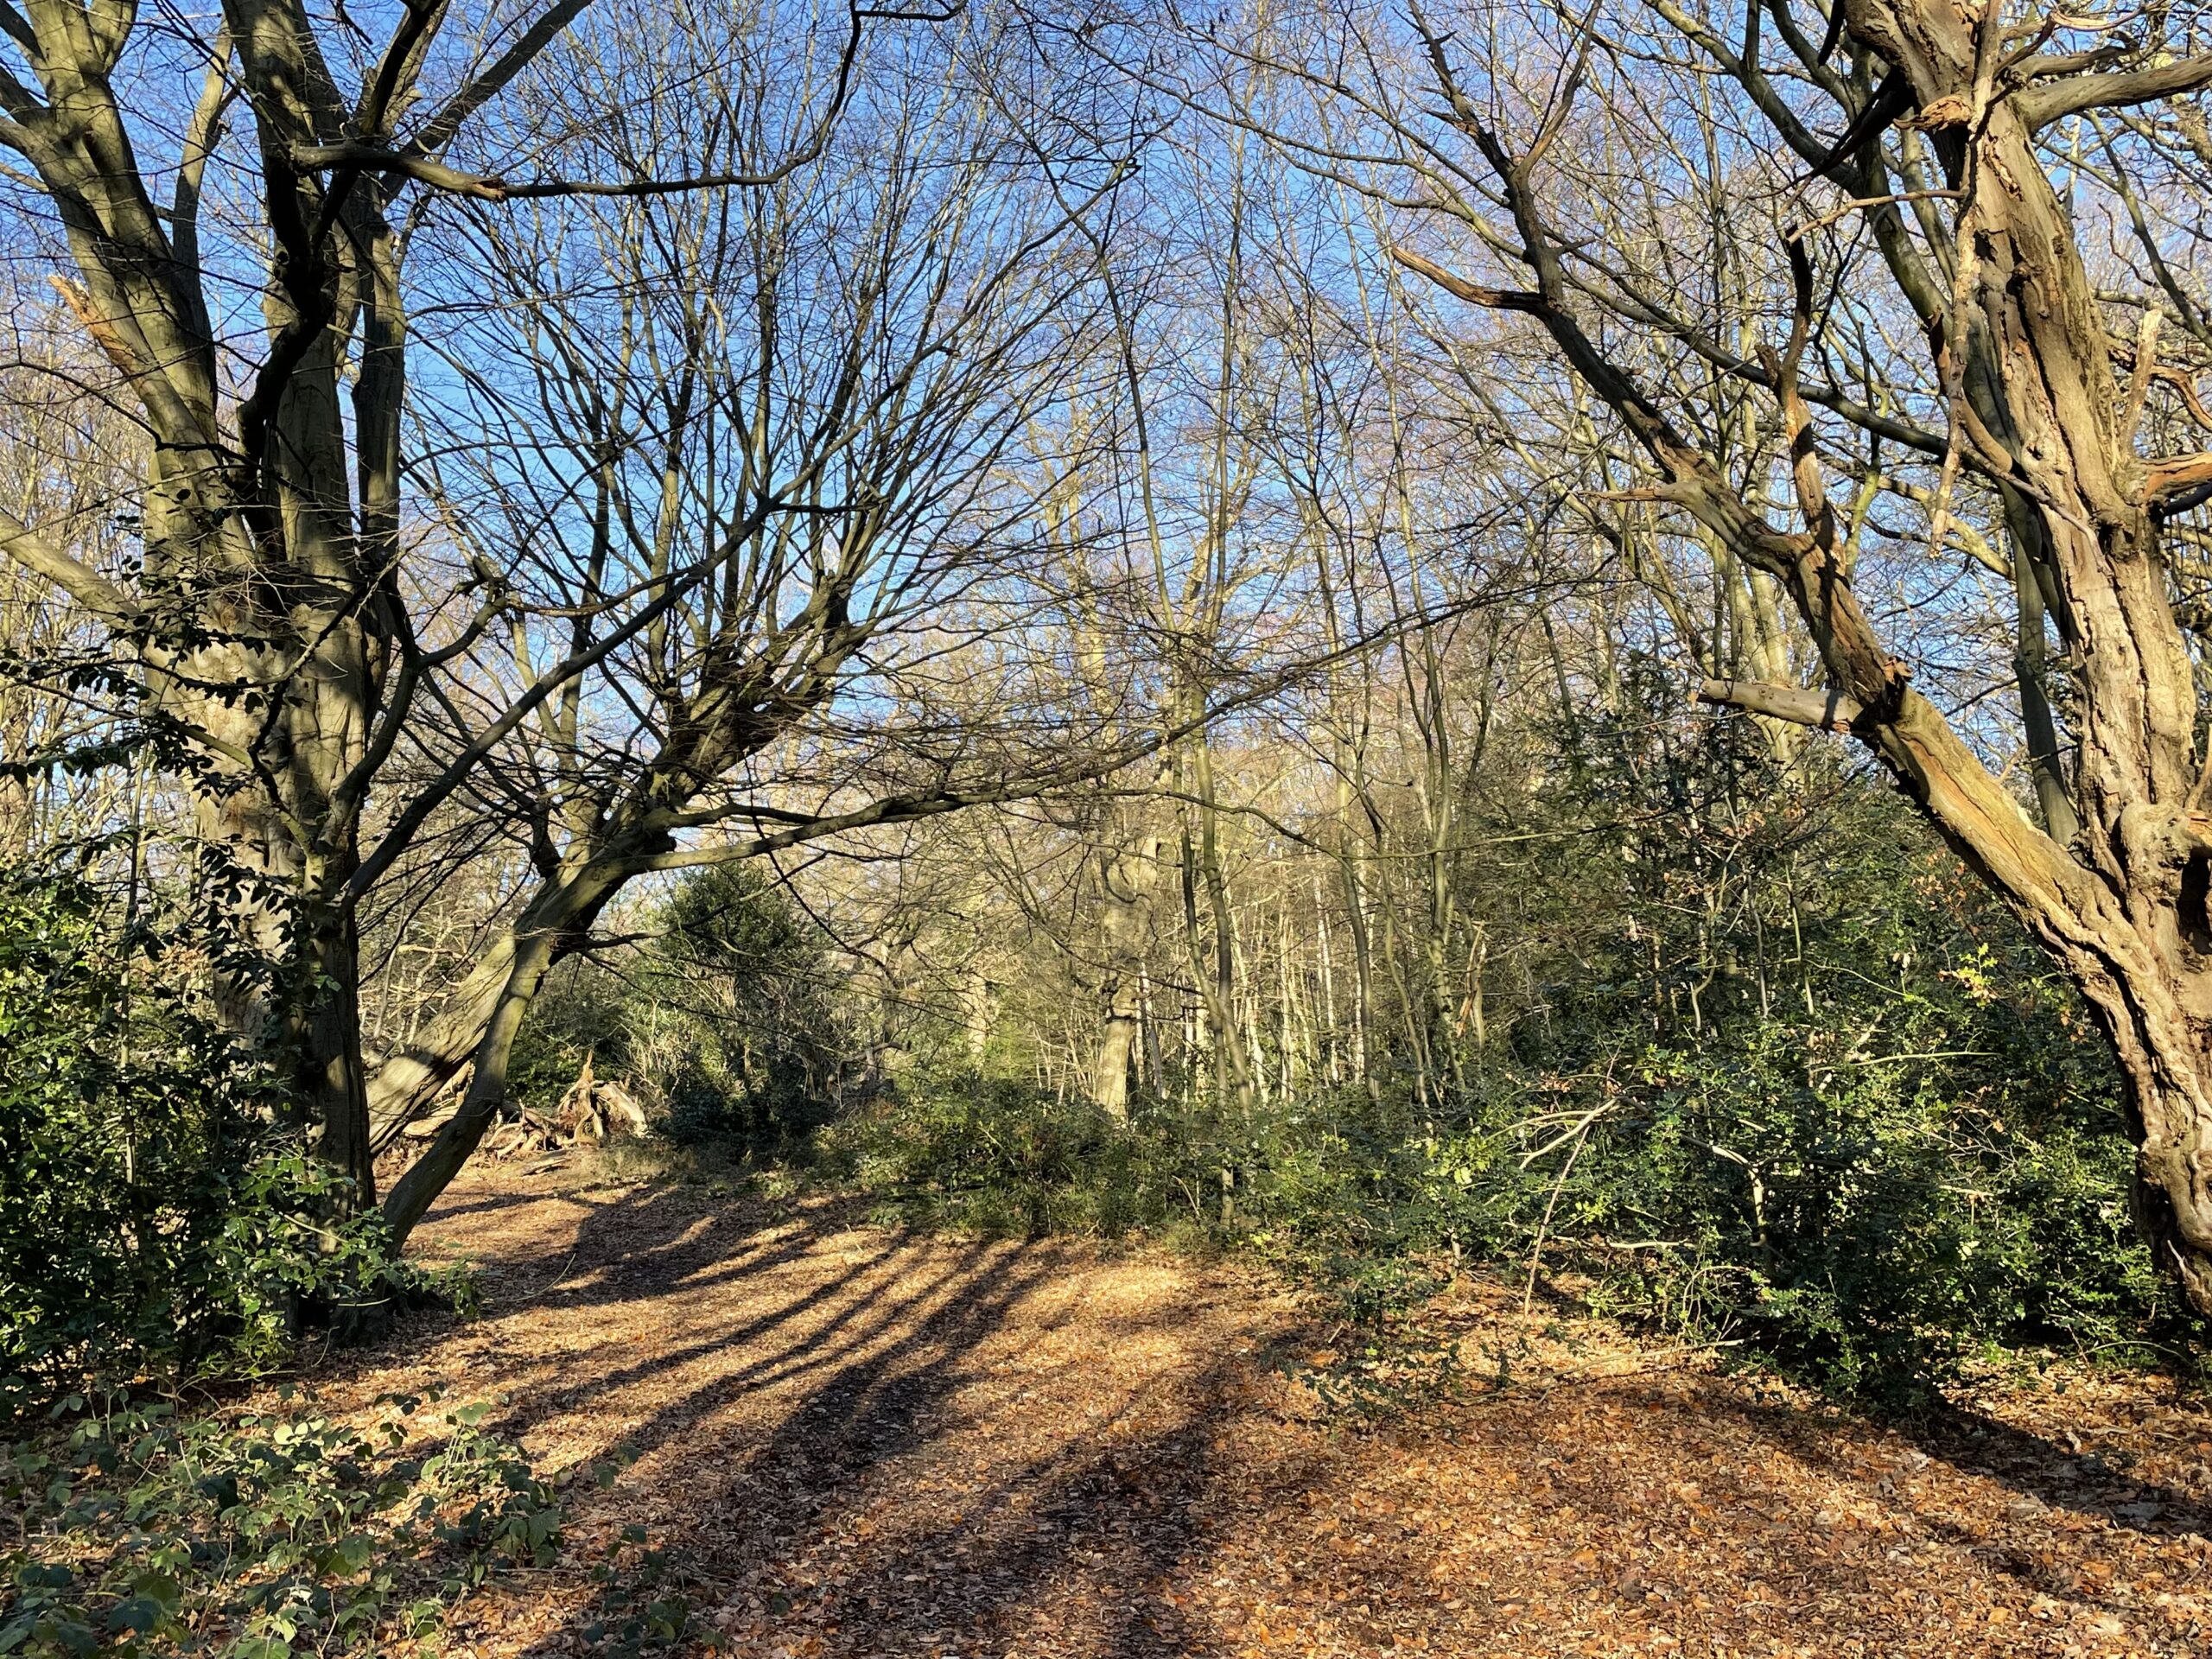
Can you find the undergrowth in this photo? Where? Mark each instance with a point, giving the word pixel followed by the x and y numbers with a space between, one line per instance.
pixel 134 1532
pixel 1872 1241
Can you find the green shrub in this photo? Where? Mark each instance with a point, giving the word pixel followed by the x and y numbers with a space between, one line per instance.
pixel 1871 1230
pixel 157 1220
pixel 1890 1145
pixel 1001 1157
pixel 260 1536
pixel 727 1016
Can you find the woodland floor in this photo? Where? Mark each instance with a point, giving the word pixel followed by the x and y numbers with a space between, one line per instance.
pixel 852 1441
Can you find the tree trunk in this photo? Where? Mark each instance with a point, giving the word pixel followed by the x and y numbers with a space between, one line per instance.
pixel 552 926
pixel 1128 878
pixel 1117 1048
pixel 1214 969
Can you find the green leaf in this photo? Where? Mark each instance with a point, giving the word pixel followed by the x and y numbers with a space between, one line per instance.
pixel 139 1613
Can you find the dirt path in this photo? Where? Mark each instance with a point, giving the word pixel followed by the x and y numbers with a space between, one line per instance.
pixel 855 1442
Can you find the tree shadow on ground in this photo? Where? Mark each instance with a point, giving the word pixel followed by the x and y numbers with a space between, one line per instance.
pixel 2088 1484
pixel 836 1443
pixel 805 1449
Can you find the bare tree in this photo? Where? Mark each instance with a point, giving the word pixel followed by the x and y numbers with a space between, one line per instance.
pixel 758 494
pixel 63 461
pixel 751 430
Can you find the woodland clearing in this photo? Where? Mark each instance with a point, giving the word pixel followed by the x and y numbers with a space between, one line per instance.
pixel 852 1439
pixel 1120 648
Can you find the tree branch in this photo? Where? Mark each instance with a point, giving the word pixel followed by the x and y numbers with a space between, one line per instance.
pixel 1497 299
pixel 2175 484
pixel 412 160
pixel 359 157
pixel 73 576
pixel 2039 106
pixel 439 131
pixel 1826 711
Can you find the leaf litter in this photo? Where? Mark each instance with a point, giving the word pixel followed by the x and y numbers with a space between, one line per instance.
pixel 845 1439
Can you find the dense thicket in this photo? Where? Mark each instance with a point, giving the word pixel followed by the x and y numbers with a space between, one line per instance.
pixel 161 1218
